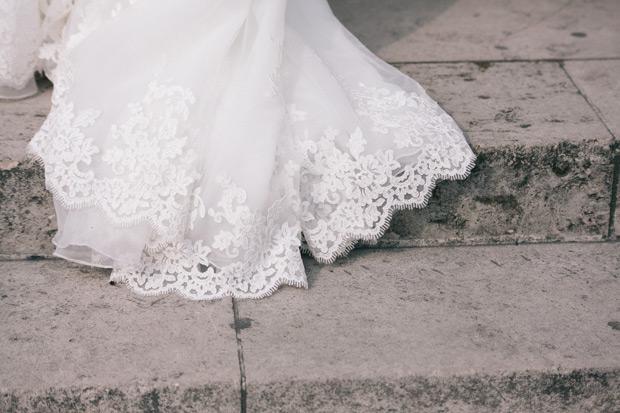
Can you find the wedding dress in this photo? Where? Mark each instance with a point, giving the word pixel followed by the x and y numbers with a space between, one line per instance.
pixel 199 146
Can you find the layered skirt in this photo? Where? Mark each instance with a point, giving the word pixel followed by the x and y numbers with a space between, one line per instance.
pixel 200 146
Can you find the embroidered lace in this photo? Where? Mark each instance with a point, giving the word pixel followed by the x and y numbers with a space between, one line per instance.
pixel 204 167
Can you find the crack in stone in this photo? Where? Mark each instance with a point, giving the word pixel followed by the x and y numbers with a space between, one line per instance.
pixel 243 381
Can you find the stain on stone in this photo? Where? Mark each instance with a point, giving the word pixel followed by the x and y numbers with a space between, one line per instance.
pixel 615 325
pixel 509 115
pixel 525 125
pixel 498 47
pixel 484 97
pixel 150 402
pixel 466 77
pixel 243 323
pixel 505 201
pixel 484 65
pixel 579 34
pixel 560 167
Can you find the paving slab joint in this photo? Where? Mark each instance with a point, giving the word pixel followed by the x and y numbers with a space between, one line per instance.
pixel 243 392
pixel 614 194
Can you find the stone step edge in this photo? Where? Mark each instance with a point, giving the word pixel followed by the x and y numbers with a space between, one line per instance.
pixel 520 155
pixel 587 389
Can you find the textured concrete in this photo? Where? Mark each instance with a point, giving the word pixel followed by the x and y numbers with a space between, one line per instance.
pixel 543 174
pixel 27 217
pixel 600 83
pixel 449 30
pixel 544 169
pixel 480 329
pixel 72 342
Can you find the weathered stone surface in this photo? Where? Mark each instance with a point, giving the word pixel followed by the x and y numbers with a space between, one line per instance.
pixel 72 342
pixel 544 169
pixel 27 218
pixel 599 81
pixel 484 329
pixel 453 30
pixel 572 391
pixel 20 120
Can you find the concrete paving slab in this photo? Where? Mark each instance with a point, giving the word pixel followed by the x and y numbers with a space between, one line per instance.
pixel 480 329
pixel 599 81
pixel 528 103
pixel 470 30
pixel 72 342
pixel 544 169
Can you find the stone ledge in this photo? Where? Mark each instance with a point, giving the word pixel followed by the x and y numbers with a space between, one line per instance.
pixel 575 391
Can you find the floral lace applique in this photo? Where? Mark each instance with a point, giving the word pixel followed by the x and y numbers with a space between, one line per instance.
pixel 264 250
pixel 411 118
pixel 155 169
pixel 349 194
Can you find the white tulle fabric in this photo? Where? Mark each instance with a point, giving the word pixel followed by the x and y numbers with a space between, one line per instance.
pixel 198 146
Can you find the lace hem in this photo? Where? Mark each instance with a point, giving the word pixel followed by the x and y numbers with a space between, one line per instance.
pixel 320 189
pixel 342 187
pixel 351 240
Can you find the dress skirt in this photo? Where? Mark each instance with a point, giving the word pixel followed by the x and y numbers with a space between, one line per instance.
pixel 200 146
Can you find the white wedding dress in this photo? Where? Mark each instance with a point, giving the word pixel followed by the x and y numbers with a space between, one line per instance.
pixel 199 146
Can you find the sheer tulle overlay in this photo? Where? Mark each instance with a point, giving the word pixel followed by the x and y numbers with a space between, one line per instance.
pixel 200 146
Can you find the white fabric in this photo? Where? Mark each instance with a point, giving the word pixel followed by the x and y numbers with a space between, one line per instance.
pixel 20 38
pixel 196 146
pixel 30 41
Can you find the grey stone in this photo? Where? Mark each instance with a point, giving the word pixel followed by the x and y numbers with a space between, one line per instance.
pixel 544 159
pixel 72 342
pixel 27 217
pixel 484 329
pixel 470 30
pixel 599 81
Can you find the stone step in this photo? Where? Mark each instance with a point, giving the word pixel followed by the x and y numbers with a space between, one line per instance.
pixel 544 170
pixel 526 328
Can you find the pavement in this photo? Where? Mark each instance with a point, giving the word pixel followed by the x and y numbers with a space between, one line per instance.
pixel 501 296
